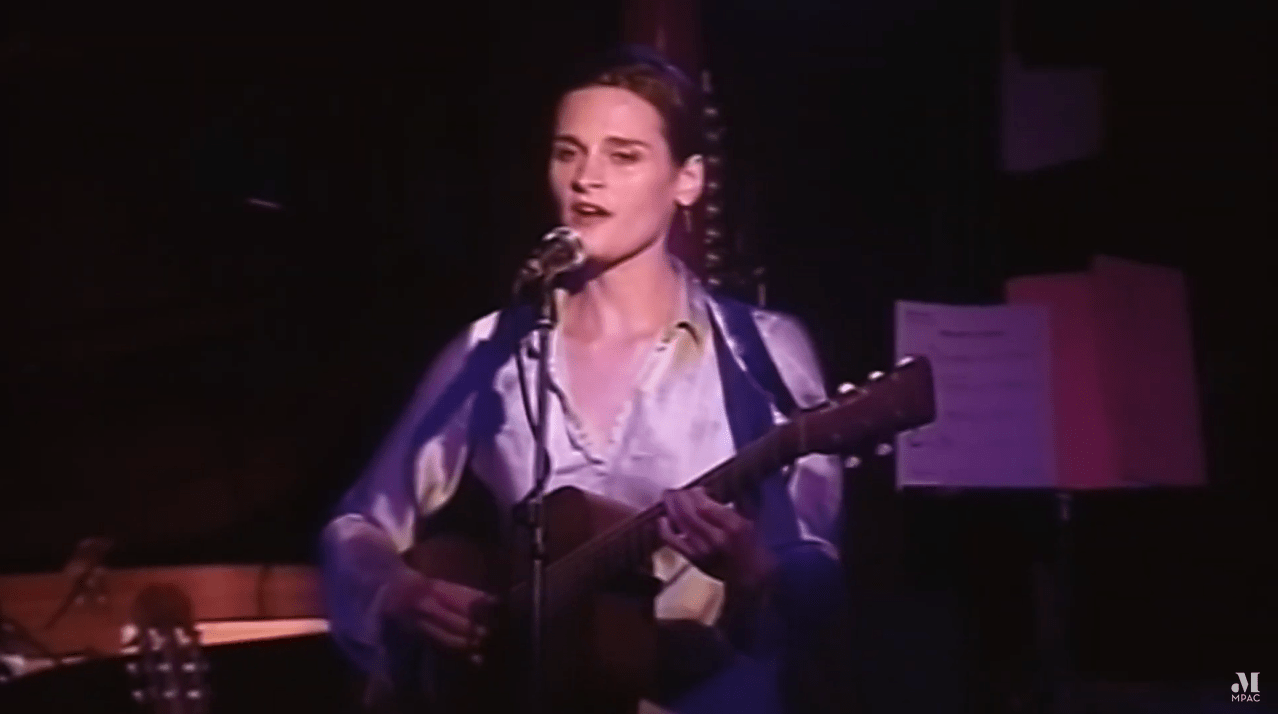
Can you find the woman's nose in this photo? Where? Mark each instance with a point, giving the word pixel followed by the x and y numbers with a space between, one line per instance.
pixel 589 173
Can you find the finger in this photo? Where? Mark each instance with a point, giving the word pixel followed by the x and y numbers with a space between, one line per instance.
pixel 446 637
pixel 704 521
pixel 451 634
pixel 686 523
pixel 721 517
pixel 699 500
pixel 446 619
pixel 461 599
pixel 672 539
pixel 483 613
pixel 672 501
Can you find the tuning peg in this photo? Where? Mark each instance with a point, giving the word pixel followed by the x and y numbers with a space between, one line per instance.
pixel 883 449
pixel 905 361
pixel 852 462
pixel 846 387
pixel 876 376
pixel 139 695
pixel 131 668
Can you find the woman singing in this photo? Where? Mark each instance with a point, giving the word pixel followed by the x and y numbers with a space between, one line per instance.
pixel 654 380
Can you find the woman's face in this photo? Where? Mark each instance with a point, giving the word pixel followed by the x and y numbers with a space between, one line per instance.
pixel 612 173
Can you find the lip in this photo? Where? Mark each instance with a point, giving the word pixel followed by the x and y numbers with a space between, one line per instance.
pixel 598 211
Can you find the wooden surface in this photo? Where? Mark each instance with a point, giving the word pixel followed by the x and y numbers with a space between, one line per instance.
pixel 246 602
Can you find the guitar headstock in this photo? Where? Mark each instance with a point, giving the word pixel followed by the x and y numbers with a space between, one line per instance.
pixel 884 406
pixel 169 669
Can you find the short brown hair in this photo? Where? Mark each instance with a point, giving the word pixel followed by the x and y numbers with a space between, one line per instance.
pixel 648 74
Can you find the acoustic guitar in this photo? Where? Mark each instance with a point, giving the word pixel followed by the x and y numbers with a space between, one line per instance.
pixel 599 651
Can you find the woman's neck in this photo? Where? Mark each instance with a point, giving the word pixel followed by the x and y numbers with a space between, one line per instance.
pixel 634 298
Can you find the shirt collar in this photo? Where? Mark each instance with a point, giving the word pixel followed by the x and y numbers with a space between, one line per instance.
pixel 692 312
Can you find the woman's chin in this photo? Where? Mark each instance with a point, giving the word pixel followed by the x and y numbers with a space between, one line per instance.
pixel 600 250
pixel 598 262
pixel 604 251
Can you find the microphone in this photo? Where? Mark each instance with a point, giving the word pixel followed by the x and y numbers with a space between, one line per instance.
pixel 559 252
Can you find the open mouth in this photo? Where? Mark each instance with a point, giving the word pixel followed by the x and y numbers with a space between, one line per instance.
pixel 588 211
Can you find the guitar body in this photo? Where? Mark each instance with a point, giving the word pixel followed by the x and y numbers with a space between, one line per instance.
pixel 600 657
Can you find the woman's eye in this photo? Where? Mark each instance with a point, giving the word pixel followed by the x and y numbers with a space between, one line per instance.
pixel 625 157
pixel 564 154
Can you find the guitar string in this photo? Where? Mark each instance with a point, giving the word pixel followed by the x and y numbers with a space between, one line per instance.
pixel 632 538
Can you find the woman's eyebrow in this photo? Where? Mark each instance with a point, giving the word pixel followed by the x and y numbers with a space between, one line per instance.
pixel 614 141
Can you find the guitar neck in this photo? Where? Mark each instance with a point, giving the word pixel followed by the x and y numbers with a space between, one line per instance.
pixel 630 545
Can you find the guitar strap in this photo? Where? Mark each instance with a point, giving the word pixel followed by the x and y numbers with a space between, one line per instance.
pixel 803 631
pixel 750 394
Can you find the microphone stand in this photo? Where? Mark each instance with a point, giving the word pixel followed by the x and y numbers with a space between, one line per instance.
pixel 535 513
pixel 561 252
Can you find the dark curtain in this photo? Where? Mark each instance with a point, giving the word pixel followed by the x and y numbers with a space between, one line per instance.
pixel 200 377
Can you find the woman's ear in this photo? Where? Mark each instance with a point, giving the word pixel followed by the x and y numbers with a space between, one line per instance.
pixel 690 181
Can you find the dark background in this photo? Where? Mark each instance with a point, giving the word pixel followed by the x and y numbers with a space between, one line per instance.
pixel 199 378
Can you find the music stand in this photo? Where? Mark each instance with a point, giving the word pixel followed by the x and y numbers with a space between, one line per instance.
pixel 1092 375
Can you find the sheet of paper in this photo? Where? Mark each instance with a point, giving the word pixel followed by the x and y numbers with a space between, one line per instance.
pixel 994 423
